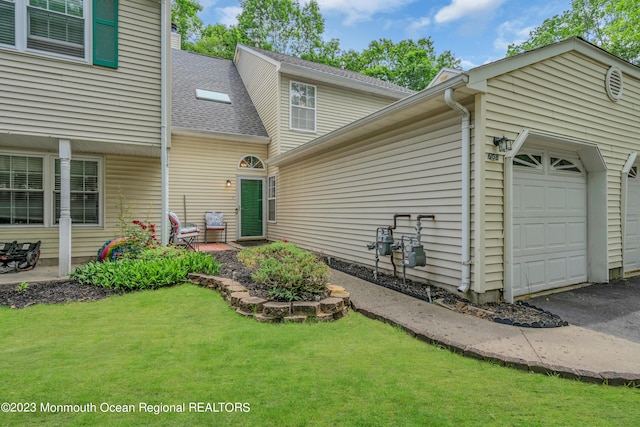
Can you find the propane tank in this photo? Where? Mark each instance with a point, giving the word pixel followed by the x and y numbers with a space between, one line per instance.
pixel 384 244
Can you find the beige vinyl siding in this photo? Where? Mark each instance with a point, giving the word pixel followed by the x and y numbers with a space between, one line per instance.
pixel 333 202
pixel 199 169
pixel 335 107
pixel 134 180
pixel 260 77
pixel 564 95
pixel 43 95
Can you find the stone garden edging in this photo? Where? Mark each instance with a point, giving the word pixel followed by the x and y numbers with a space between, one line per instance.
pixel 237 296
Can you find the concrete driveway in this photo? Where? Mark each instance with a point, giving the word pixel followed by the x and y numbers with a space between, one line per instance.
pixel 611 308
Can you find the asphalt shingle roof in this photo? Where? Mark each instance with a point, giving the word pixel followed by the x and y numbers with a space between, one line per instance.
pixel 334 71
pixel 191 71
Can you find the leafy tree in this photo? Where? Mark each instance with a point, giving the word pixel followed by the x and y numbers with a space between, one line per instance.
pixel 217 40
pixel 328 53
pixel 613 25
pixel 282 25
pixel 412 64
pixel 184 14
pixel 288 27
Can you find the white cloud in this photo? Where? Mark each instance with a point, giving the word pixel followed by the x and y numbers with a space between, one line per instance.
pixel 463 8
pixel 511 32
pixel 467 65
pixel 360 10
pixel 207 4
pixel 417 26
pixel 228 15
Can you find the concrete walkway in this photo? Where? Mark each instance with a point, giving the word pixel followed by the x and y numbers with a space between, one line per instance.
pixel 570 351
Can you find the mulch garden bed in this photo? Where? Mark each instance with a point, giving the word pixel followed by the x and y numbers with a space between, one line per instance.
pixel 518 314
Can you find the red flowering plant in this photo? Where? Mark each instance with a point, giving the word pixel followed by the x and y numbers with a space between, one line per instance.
pixel 140 235
pixel 137 236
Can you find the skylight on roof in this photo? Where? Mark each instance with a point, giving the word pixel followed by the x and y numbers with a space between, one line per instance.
pixel 209 95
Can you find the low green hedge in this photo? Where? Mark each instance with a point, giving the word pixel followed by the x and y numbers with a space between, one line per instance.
pixel 150 269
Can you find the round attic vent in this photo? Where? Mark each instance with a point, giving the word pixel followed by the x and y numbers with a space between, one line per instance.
pixel 613 83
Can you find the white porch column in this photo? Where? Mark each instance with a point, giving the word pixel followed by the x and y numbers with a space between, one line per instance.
pixel 64 244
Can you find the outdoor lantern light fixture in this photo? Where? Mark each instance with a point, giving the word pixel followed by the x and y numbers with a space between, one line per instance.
pixel 228 183
pixel 503 143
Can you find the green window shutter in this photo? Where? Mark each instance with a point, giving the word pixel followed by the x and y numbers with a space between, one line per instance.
pixel 105 33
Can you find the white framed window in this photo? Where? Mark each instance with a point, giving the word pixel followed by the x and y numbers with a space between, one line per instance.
pixel 30 190
pixel 271 198
pixel 251 162
pixel 85 192
pixel 56 26
pixel 21 190
pixel 303 106
pixel 62 28
pixel 563 164
pixel 529 160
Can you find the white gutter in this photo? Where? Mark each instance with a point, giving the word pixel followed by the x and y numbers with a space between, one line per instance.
pixel 164 122
pixel 466 188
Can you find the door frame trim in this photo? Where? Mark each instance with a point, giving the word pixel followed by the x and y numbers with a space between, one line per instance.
pixel 239 180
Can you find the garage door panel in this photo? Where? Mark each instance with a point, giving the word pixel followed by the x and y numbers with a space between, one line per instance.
pixel 556 198
pixel 531 275
pixel 577 234
pixel 578 267
pixel 535 198
pixel 550 231
pixel 557 270
pixel 556 235
pixel 533 236
pixel 516 237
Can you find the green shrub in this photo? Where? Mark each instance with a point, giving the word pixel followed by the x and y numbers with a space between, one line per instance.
pixel 286 269
pixel 151 269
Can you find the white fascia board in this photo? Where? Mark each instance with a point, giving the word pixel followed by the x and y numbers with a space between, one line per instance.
pixel 332 79
pixel 248 49
pixel 478 76
pixel 223 136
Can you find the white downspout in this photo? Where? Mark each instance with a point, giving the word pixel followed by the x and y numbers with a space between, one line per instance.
pixel 164 123
pixel 466 189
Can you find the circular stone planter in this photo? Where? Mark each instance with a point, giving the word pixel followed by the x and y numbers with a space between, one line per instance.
pixel 329 309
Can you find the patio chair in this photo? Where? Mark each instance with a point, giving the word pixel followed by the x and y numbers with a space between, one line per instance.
pixel 214 221
pixel 182 235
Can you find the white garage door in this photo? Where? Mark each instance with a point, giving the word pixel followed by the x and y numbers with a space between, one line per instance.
pixel 549 223
pixel 632 226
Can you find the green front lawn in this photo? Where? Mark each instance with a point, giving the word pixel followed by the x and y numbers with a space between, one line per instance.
pixel 183 345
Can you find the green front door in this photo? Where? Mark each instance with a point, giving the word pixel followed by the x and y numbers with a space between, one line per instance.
pixel 251 208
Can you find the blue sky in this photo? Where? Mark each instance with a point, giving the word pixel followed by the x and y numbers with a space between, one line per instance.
pixel 475 31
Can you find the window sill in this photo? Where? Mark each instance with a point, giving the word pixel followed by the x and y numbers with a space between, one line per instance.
pixel 45 55
pixel 311 132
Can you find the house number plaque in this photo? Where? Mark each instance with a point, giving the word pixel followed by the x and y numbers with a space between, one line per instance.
pixel 493 157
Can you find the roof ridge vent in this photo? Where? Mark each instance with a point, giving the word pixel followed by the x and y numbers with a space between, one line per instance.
pixel 613 83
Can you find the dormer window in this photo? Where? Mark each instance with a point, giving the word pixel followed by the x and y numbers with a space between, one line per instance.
pixel 303 107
